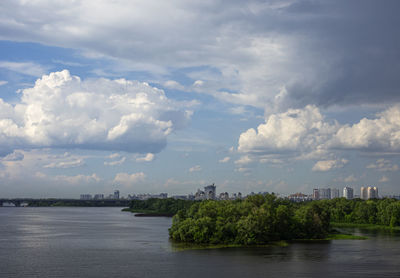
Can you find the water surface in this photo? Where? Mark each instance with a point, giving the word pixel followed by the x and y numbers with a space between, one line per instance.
pixel 105 242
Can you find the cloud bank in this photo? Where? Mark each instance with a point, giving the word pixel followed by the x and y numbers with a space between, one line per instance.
pixel 322 52
pixel 305 133
pixel 62 111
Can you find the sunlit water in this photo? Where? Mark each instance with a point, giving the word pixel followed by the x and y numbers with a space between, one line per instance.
pixel 105 242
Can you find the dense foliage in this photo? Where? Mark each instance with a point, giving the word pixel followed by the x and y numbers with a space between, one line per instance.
pixel 256 220
pixel 375 211
pixel 160 206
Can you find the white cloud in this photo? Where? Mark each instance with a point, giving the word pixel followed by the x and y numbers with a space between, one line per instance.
pixel 129 179
pixel 114 156
pixel 384 179
pixel 149 157
pixel 244 160
pixel 301 130
pixel 115 162
pixel 225 159
pixel 27 68
pixel 172 84
pixel 3 82
pixel 305 134
pixel 66 164
pixel 350 178
pixel 326 165
pixel 381 133
pixel 196 168
pixel 63 111
pixel 15 156
pixel 383 165
pixel 77 180
pixel 198 83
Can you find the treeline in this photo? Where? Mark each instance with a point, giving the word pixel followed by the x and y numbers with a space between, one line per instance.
pixel 375 211
pixel 167 206
pixel 256 220
pixel 76 203
pixel 261 219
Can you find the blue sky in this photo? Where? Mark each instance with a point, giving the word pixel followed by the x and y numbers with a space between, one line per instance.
pixel 155 96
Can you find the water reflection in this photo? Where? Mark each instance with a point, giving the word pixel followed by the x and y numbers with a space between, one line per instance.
pixel 104 242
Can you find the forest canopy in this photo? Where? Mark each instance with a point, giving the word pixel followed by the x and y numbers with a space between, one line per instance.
pixel 261 219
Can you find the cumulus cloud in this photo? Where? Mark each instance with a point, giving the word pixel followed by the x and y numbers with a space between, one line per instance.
pixel 326 165
pixel 381 133
pixel 305 134
pixel 147 158
pixel 383 165
pixel 62 111
pixel 2 82
pixel 196 168
pixel 129 179
pixel 297 130
pixel 225 159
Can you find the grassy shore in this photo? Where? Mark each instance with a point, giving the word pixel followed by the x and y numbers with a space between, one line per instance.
pixel 182 246
pixel 364 226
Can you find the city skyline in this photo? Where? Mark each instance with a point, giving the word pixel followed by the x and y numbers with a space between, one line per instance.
pixel 256 96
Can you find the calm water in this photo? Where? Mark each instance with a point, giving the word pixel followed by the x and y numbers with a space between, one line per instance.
pixel 104 242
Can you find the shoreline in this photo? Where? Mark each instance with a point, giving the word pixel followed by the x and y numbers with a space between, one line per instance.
pixel 364 226
pixel 183 246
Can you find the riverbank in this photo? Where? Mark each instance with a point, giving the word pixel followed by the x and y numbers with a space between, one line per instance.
pixel 364 226
pixel 182 246
pixel 147 213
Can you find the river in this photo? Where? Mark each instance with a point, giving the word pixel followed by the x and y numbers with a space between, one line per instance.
pixel 105 242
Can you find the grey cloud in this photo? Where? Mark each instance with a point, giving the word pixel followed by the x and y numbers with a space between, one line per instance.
pixel 323 52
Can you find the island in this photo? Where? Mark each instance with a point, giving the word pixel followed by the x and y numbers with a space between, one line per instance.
pixel 262 219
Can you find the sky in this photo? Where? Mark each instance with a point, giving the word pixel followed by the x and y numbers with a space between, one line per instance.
pixel 169 96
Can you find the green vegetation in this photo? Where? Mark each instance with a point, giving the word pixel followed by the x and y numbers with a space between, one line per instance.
pixel 257 220
pixel 158 207
pixel 260 220
pixel 264 219
pixel 371 213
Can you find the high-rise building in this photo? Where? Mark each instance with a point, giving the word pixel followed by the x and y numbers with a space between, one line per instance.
pixel 335 193
pixel 372 192
pixel 98 197
pixel 315 194
pixel 324 193
pixel 209 192
pixel 364 193
pixel 86 197
pixel 348 193
pixel 116 194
